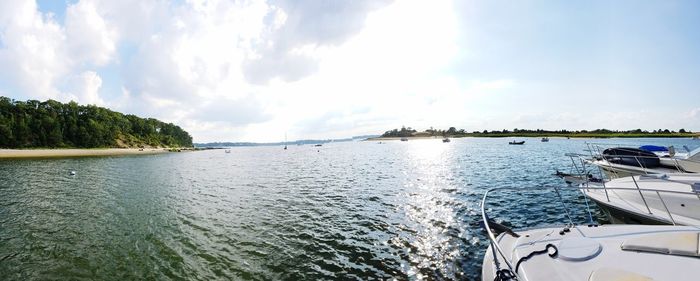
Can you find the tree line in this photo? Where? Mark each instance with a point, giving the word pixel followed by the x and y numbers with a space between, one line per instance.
pixel 30 124
pixel 395 133
pixel 452 131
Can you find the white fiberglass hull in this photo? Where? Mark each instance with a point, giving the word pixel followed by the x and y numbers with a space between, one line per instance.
pixel 614 171
pixel 608 252
pixel 689 165
pixel 626 204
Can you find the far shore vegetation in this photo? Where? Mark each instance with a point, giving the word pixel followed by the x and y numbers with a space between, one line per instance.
pixel 405 132
pixel 52 124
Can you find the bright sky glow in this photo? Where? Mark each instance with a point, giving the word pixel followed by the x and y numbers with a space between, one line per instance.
pixel 253 70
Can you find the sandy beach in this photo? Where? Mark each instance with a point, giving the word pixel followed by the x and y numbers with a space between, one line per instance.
pixel 43 153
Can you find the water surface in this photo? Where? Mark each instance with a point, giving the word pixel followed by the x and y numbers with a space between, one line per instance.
pixel 344 211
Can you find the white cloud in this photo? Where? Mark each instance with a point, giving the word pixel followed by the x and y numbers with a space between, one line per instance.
pixel 390 69
pixel 33 53
pixel 339 68
pixel 43 59
pixel 89 38
pixel 85 88
pixel 314 69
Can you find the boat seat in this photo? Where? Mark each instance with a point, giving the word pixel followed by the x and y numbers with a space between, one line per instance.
pixel 614 274
pixel 680 244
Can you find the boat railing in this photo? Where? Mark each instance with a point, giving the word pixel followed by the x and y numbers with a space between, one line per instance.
pixel 498 251
pixel 658 192
pixel 596 153
pixel 583 172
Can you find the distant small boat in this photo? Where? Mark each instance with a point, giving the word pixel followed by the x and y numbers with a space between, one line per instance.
pixel 446 140
pixel 545 139
pixel 404 139
pixel 72 173
pixel 516 142
pixel 227 151
pixel 318 144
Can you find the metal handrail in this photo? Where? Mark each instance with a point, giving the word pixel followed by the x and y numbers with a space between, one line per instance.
pixel 494 243
pixel 583 173
pixel 665 207
pixel 641 195
pixel 658 194
pixel 492 238
pixel 596 147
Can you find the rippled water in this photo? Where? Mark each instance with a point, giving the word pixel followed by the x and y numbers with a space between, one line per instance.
pixel 344 211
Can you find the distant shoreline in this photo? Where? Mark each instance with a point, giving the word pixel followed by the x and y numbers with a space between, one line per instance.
pixel 573 136
pixel 57 153
pixel 399 138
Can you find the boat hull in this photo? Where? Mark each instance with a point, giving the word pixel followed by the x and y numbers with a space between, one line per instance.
pixel 621 216
pixel 613 170
pixel 662 199
pixel 631 157
pixel 689 166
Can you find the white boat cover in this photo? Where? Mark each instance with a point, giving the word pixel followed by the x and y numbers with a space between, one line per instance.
pixel 681 244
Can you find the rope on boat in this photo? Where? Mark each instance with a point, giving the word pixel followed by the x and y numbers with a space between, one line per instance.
pixel 504 275
pixel 530 255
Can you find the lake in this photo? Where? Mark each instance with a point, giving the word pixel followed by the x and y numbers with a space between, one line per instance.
pixel 343 211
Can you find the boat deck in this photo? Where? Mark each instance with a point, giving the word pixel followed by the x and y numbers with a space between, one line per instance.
pixel 592 252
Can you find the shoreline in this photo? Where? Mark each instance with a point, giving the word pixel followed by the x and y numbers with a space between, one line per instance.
pixel 76 152
pixel 591 136
pixel 399 138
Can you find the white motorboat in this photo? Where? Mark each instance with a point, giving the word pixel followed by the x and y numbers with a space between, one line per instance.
pixel 623 199
pixel 590 252
pixel 688 161
pixel 617 162
pixel 649 199
pixel 616 170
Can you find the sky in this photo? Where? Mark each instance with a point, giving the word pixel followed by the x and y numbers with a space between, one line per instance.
pixel 257 70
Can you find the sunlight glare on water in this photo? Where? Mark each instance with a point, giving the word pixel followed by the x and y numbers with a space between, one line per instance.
pixel 344 211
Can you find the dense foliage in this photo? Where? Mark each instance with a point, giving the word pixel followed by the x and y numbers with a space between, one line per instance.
pixel 54 124
pixel 404 132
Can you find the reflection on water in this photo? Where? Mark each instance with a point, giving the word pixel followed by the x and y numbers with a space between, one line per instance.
pixel 428 211
pixel 359 210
